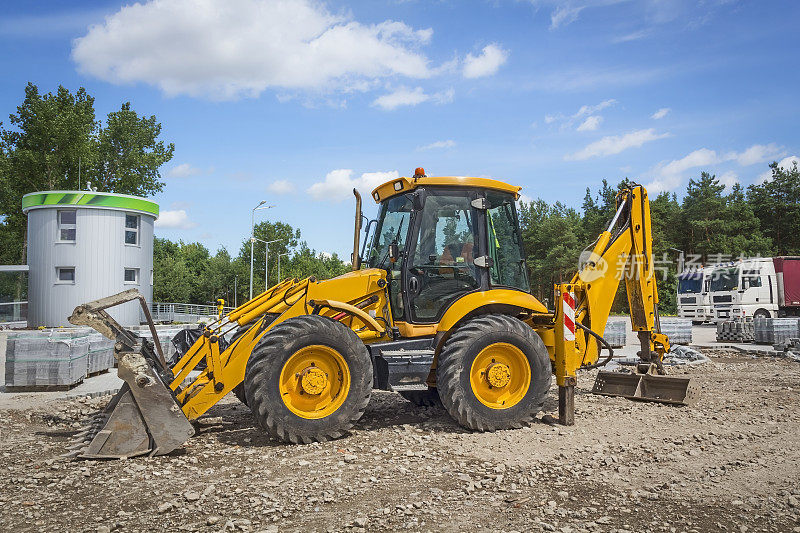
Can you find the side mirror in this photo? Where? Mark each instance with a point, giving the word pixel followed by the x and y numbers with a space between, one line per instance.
pixel 394 252
pixel 417 200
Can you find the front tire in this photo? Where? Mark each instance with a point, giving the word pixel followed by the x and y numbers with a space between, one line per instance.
pixel 761 313
pixel 493 373
pixel 308 380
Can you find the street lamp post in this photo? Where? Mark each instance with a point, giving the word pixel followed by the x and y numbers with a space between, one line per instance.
pixel 681 259
pixel 279 265
pixel 266 262
pixel 266 258
pixel 252 238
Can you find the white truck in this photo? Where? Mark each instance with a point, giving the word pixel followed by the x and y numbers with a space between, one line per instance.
pixel 693 295
pixel 757 287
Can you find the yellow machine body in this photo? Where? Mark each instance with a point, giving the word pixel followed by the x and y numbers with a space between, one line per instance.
pixel 361 300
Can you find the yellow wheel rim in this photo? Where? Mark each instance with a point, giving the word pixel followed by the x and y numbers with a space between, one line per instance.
pixel 500 375
pixel 314 382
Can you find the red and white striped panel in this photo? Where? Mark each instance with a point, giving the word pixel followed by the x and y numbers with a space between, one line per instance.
pixel 568 306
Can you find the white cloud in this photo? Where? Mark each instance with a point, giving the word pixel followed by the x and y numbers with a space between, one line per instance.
pixel 410 97
pixel 234 48
pixel 584 111
pixel 758 153
pixel 635 36
pixel 661 113
pixel 281 187
pixel 668 176
pixel 591 123
pixel 338 184
pixel 486 63
pixel 589 109
pixel 449 143
pixel 786 164
pixel 615 144
pixel 177 219
pixel 564 15
pixel 184 170
pixel 698 158
pixel 524 199
pixel 728 179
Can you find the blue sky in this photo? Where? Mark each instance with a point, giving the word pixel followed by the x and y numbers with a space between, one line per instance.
pixel 297 101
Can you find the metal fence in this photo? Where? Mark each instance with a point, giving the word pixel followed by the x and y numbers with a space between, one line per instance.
pixel 178 312
pixel 13 311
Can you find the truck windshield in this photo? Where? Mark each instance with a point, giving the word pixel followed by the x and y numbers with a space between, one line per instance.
pixel 726 279
pixel 692 283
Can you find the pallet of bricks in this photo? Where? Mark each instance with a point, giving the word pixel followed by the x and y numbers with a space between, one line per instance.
pixel 775 330
pixel 101 354
pixel 46 359
pixel 678 330
pixel 738 330
pixel 615 333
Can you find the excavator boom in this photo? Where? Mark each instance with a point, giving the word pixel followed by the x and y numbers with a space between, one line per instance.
pixel 624 251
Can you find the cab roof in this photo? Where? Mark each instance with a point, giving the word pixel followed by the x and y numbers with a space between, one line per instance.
pixel 404 185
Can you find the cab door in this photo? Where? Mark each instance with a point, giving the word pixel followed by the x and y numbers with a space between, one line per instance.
pixel 439 267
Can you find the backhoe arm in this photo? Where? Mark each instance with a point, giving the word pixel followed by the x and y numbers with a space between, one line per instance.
pixel 623 251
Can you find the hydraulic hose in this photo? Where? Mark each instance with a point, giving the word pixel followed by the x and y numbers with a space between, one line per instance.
pixel 602 341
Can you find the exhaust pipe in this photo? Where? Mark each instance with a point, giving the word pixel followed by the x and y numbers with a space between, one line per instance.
pixel 355 258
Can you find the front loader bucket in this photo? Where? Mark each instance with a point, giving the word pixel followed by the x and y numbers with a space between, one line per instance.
pixel 143 418
pixel 647 387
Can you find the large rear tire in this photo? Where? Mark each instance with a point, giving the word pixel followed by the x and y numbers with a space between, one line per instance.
pixel 308 380
pixel 493 373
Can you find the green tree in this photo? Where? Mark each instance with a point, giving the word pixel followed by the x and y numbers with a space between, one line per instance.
pixel 51 137
pixel 745 235
pixel 704 216
pixel 665 215
pixel 552 237
pixel 776 203
pixel 127 154
pixel 286 238
pixel 54 142
pixel 307 262
pixel 171 277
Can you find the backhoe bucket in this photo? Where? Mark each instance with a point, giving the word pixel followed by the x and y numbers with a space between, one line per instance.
pixel 143 418
pixel 648 387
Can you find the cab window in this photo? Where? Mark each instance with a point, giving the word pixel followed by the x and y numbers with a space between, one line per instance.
pixel 505 243
pixel 442 269
pixel 394 219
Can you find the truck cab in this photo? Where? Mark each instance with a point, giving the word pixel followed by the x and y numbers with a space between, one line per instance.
pixel 745 289
pixel 693 295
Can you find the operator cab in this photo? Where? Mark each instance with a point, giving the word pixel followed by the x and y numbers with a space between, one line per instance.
pixel 441 238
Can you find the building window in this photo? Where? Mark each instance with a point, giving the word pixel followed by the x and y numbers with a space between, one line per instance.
pixel 66 225
pixel 132 229
pixel 132 275
pixel 65 275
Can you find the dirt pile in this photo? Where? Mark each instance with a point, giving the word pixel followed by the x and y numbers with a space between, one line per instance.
pixel 729 464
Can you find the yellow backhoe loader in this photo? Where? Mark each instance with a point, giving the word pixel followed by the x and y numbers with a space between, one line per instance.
pixel 437 307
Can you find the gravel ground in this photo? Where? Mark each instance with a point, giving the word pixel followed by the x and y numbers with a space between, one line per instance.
pixel 730 463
